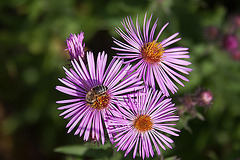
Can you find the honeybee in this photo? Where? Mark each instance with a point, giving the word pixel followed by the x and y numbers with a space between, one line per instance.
pixel 96 91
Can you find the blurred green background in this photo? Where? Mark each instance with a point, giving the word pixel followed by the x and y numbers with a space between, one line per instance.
pixel 32 35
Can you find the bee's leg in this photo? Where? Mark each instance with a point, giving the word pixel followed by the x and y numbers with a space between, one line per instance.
pixel 90 103
pixel 97 100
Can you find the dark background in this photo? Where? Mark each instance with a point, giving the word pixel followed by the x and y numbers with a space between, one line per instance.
pixel 32 35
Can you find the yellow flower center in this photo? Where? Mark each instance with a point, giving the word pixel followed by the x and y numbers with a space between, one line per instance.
pixel 101 102
pixel 143 123
pixel 152 52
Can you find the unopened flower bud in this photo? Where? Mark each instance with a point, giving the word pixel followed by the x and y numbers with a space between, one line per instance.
pixel 205 98
pixel 75 45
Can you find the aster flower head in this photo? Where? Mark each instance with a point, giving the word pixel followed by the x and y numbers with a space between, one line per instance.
pixel 155 61
pixel 75 45
pixel 95 92
pixel 230 42
pixel 142 122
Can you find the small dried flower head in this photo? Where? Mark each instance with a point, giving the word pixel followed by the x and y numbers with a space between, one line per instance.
pixel 188 101
pixel 211 32
pixel 230 42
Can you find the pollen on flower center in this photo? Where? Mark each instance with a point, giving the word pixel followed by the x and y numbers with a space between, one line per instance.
pixel 152 52
pixel 101 102
pixel 143 123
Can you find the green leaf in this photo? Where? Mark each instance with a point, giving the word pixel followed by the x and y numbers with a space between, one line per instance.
pixel 172 158
pixel 214 17
pixel 200 116
pixel 102 151
pixel 78 150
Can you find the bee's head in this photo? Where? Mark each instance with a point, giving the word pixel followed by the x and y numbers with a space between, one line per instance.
pixel 89 96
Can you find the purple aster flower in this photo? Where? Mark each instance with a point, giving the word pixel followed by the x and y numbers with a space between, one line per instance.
pixel 95 92
pixel 75 45
pixel 141 124
pixel 230 42
pixel 154 60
